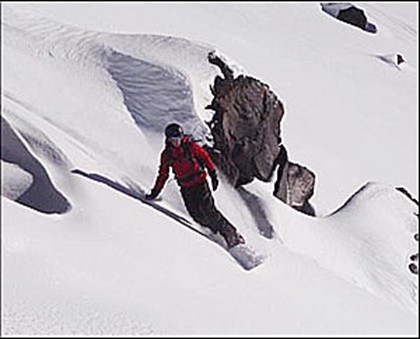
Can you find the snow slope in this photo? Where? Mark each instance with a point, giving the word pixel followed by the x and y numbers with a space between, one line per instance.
pixel 328 74
pixel 84 90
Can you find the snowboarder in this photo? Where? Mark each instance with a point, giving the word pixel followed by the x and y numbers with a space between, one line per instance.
pixel 188 161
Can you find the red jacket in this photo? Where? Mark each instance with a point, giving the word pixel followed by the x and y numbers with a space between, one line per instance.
pixel 185 162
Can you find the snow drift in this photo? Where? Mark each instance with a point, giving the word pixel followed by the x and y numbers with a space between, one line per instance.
pixel 97 103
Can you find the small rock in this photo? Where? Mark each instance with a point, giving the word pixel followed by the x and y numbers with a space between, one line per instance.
pixel 413 268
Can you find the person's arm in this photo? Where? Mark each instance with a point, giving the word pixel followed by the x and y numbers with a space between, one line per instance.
pixel 163 175
pixel 204 158
pixel 201 154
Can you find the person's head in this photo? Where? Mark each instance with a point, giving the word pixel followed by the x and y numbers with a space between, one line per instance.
pixel 174 133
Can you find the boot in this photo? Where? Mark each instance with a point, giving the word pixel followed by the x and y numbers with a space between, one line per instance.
pixel 232 237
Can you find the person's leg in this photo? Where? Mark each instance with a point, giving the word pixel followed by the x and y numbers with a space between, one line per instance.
pixel 209 210
pixel 215 219
pixel 193 201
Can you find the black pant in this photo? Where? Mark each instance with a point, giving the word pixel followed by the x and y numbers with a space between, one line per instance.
pixel 200 204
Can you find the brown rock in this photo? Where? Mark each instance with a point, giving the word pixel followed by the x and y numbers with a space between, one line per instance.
pixel 246 135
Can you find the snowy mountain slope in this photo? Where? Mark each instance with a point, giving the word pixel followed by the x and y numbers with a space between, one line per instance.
pixel 94 101
pixel 367 241
pixel 95 273
pixel 331 55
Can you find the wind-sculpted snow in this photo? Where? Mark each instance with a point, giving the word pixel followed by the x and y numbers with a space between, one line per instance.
pixel 134 59
pixel 146 79
pixel 162 79
pixel 153 95
pixel 41 194
pixel 91 103
pixel 367 241
pixel 381 237
pixel 15 180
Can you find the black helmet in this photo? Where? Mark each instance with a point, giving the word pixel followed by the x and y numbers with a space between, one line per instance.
pixel 173 131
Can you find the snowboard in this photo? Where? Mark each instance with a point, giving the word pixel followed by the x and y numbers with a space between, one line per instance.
pixel 243 254
pixel 246 256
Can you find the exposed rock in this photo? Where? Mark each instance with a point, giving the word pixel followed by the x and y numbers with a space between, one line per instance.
pixel 399 59
pixel 348 13
pixel 245 126
pixel 395 60
pixel 295 184
pixel 413 268
pixel 404 191
pixel 280 186
pixel 414 257
pixel 246 135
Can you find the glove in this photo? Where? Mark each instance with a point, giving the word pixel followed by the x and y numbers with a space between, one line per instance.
pixel 152 195
pixel 214 179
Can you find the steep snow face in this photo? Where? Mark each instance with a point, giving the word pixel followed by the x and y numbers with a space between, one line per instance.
pixel 15 180
pixel 119 81
pixel 40 193
pixel 381 224
pixel 367 241
pixel 98 272
pixel 97 102
pixel 162 80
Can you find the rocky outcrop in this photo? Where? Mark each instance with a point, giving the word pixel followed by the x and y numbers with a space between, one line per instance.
pixel 414 265
pixel 295 184
pixel 414 258
pixel 350 14
pixel 245 126
pixel 247 141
